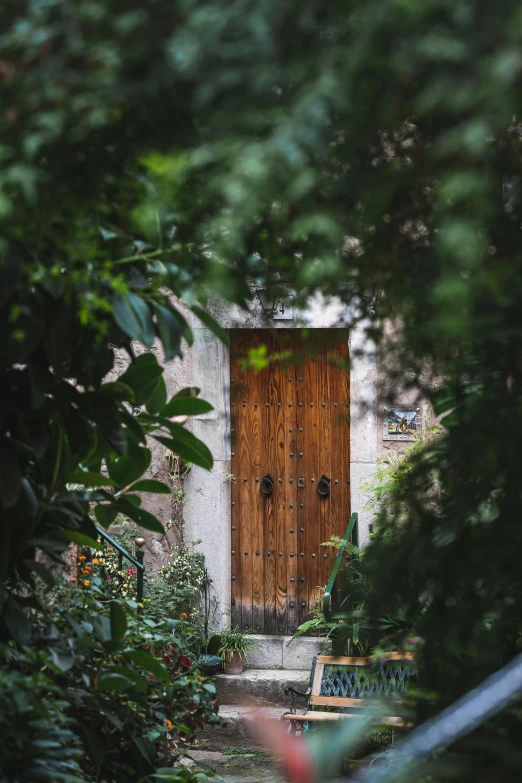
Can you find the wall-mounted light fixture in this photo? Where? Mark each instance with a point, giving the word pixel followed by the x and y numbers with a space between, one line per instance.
pixel 280 307
pixel 268 301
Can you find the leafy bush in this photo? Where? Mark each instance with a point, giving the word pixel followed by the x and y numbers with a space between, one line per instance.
pixel 103 694
pixel 179 589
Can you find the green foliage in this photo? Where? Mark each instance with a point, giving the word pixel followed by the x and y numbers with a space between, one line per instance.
pixel 103 694
pixel 392 479
pixel 234 640
pixel 178 590
pixel 382 139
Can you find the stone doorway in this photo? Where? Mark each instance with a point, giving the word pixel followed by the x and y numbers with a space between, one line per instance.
pixel 290 462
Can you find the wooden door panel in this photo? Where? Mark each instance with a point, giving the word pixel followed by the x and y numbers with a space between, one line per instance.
pixel 289 420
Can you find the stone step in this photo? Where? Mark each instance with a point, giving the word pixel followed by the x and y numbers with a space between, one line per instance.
pixel 234 730
pixel 238 765
pixel 278 652
pixel 260 687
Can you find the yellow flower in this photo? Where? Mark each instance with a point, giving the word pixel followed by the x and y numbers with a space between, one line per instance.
pixel 87 584
pixel 95 561
pixel 169 724
pixel 82 558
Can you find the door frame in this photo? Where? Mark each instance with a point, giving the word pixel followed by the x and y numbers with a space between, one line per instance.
pixel 207 510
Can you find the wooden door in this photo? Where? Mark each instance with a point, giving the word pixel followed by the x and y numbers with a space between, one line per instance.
pixel 290 420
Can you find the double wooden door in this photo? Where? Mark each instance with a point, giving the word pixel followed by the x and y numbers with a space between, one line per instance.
pixel 290 422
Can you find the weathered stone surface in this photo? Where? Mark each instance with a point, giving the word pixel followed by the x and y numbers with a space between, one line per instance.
pixel 300 653
pixel 260 687
pixel 206 514
pixel 234 730
pixel 362 472
pixel 266 654
pixel 276 652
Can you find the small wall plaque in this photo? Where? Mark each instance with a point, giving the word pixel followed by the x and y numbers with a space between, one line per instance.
pixel 401 422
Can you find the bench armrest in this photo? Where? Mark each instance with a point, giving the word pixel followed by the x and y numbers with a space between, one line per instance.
pixel 293 694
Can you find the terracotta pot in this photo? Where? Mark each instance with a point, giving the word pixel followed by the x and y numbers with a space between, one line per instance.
pixel 233 663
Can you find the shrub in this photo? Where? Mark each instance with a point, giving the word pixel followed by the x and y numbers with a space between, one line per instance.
pixel 103 694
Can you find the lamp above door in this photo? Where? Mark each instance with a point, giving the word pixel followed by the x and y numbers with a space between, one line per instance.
pixel 280 306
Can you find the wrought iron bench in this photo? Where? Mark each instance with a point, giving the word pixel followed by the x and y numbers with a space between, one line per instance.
pixel 346 686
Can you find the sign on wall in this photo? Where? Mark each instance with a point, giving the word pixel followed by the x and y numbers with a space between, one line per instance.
pixel 401 422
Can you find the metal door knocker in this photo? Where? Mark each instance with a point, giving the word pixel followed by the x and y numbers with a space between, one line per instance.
pixel 323 487
pixel 267 485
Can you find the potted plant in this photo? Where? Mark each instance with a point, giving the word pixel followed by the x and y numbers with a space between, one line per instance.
pixel 233 649
pixel 210 661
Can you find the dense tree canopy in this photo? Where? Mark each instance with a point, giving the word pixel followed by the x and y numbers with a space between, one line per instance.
pixel 367 149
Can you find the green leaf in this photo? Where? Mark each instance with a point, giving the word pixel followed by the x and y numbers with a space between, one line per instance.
pixel 145 747
pixel 137 679
pixel 78 538
pixel 149 663
pixel 118 621
pixel 89 479
pixel 64 661
pixel 187 391
pixel 139 515
pixel 186 331
pixel 210 660
pixel 185 406
pixel 17 621
pixel 94 746
pixel 118 391
pixel 185 452
pixel 103 627
pixel 150 485
pixel 133 426
pixel 209 322
pixel 142 376
pixel 114 681
pixel 133 316
pixel 112 718
pixel 129 468
pixel 166 773
pixel 158 398
pixel 169 331
pixel 105 515
pixel 104 411
pixel 202 455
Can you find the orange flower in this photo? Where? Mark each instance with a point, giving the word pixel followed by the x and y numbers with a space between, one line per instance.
pixel 86 571
pixel 87 584
pixel 199 677
pixel 183 616
pixel 169 724
pixel 73 579
pixel 82 558
pixel 95 561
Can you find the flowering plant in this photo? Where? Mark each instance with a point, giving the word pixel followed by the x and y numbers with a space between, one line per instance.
pixel 180 589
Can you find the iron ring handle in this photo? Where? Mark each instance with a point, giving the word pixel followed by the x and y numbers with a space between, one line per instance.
pixel 323 486
pixel 267 485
